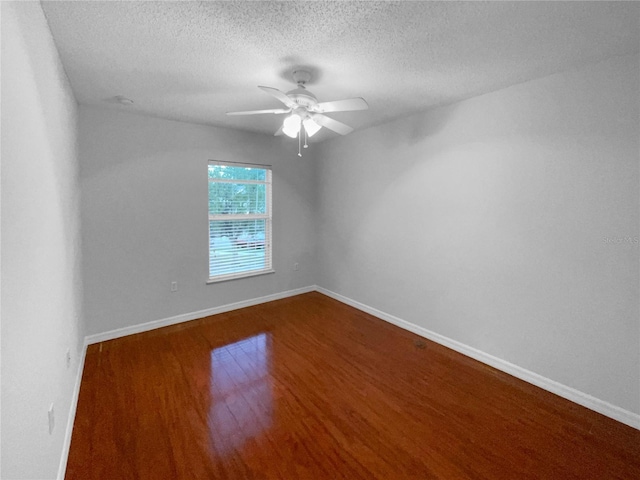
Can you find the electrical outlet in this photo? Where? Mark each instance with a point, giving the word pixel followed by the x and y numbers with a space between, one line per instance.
pixel 296 266
pixel 174 286
pixel 52 420
pixel 68 357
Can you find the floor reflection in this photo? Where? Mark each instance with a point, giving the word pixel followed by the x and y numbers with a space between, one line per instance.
pixel 241 407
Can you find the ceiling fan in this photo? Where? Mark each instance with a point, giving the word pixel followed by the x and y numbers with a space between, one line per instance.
pixel 306 114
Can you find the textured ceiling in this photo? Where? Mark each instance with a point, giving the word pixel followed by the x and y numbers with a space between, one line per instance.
pixel 194 61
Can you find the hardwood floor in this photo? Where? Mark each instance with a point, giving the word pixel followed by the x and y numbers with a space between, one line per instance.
pixel 310 388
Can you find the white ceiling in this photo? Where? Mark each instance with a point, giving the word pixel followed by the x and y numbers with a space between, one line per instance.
pixel 194 61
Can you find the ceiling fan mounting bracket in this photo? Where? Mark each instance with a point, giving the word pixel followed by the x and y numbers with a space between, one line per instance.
pixel 301 77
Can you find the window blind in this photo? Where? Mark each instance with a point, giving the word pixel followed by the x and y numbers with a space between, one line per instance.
pixel 239 220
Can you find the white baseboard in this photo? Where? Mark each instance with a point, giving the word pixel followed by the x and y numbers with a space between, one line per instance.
pixel 62 468
pixel 576 396
pixel 185 317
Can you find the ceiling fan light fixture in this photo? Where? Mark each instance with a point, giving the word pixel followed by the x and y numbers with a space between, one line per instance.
pixel 291 125
pixel 310 127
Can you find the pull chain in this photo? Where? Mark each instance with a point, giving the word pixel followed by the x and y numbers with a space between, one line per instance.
pixel 305 139
pixel 299 142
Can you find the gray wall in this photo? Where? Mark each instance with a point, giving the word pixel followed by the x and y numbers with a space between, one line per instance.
pixel 41 284
pixel 145 223
pixel 497 221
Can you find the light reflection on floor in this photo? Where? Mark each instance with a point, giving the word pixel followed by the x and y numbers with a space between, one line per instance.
pixel 241 407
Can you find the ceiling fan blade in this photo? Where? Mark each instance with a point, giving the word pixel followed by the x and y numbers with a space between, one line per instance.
pixel 257 112
pixel 331 124
pixel 279 95
pixel 279 132
pixel 348 105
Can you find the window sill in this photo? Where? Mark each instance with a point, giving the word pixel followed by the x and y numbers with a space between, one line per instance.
pixel 236 276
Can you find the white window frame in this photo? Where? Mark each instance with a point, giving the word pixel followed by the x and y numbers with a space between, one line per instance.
pixel 267 217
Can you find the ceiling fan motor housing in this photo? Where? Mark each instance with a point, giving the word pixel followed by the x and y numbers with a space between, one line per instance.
pixel 302 97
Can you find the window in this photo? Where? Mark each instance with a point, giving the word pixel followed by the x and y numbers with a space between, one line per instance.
pixel 239 220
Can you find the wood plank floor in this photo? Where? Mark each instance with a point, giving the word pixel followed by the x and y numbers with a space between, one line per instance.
pixel 310 388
